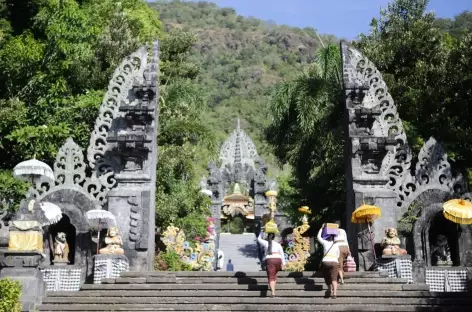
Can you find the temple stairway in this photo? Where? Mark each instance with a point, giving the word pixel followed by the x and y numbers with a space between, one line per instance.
pixel 237 291
pixel 242 250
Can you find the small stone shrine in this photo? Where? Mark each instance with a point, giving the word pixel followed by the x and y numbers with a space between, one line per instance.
pixel 240 168
pixel 25 254
pixel 119 176
pixel 379 172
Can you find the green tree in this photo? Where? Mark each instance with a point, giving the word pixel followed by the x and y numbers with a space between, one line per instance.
pixel 181 130
pixel 56 59
pixel 306 133
pixel 427 74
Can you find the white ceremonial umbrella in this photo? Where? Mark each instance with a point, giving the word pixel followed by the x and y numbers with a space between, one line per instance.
pixel 32 169
pixel 101 219
pixel 206 192
pixel 52 212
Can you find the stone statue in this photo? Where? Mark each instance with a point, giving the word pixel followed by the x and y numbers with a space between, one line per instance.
pixel 391 243
pixel 114 243
pixel 61 248
pixel 441 253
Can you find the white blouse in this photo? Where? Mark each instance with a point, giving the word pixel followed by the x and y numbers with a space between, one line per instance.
pixel 277 250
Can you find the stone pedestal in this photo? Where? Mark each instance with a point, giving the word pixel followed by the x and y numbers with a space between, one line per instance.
pixel 447 279
pixel 396 266
pixel 109 266
pixel 23 267
pixel 62 277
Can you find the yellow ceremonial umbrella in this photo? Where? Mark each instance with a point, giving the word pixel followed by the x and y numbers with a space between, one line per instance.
pixel 366 214
pixel 458 211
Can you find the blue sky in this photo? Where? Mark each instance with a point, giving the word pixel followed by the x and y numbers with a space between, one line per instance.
pixel 343 18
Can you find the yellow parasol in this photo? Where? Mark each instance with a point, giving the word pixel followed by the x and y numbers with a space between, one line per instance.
pixel 458 211
pixel 367 214
pixel 304 210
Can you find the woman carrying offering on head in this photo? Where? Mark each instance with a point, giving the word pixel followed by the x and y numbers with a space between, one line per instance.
pixel 341 242
pixel 330 262
pixel 273 257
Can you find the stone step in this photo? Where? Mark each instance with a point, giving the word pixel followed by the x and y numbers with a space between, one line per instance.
pixel 232 286
pixel 183 286
pixel 259 305
pixel 259 300
pixel 246 280
pixel 76 296
pixel 368 274
pixel 355 307
pixel 242 250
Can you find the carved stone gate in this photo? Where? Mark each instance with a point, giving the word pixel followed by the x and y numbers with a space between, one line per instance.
pixel 379 172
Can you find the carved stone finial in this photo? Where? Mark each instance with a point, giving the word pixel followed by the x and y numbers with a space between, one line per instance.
pixel 433 171
pixel 238 148
pixel 70 173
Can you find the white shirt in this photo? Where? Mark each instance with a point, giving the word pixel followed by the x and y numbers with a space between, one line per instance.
pixel 341 239
pixel 221 258
pixel 277 250
pixel 330 252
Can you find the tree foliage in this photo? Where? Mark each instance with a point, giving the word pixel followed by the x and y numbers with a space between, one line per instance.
pixel 427 69
pixel 240 60
pixel 181 131
pixel 56 59
pixel 10 293
pixel 428 74
pixel 306 133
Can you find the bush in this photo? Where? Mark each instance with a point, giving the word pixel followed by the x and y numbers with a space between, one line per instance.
pixel 10 292
pixel 170 261
pixel 236 226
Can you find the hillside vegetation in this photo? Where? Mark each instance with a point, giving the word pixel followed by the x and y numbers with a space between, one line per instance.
pixel 241 60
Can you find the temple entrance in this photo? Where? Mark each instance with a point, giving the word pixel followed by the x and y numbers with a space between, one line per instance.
pixel 237 225
pixel 443 240
pixel 66 227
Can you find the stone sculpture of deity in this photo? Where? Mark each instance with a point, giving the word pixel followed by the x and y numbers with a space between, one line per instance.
pixel 61 248
pixel 114 243
pixel 391 243
pixel 441 253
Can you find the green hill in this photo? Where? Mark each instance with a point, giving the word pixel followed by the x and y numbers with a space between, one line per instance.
pixel 241 60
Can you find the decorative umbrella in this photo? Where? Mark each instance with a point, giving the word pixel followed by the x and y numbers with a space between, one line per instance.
pixel 206 192
pixel 367 214
pixel 32 169
pixel 51 212
pixel 100 218
pixel 458 211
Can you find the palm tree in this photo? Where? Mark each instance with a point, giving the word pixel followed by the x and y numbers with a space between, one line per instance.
pixel 306 132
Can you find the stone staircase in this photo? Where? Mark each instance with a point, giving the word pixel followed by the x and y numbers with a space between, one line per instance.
pixel 242 250
pixel 238 291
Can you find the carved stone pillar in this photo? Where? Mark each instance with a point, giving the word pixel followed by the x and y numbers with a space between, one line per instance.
pixel 124 141
pixel 376 152
pixel 23 267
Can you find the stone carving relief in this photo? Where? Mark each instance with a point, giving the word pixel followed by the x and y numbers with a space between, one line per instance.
pixel 259 187
pixel 432 171
pixel 118 88
pixel 373 117
pixel 135 216
pixel 70 173
pixel 216 188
